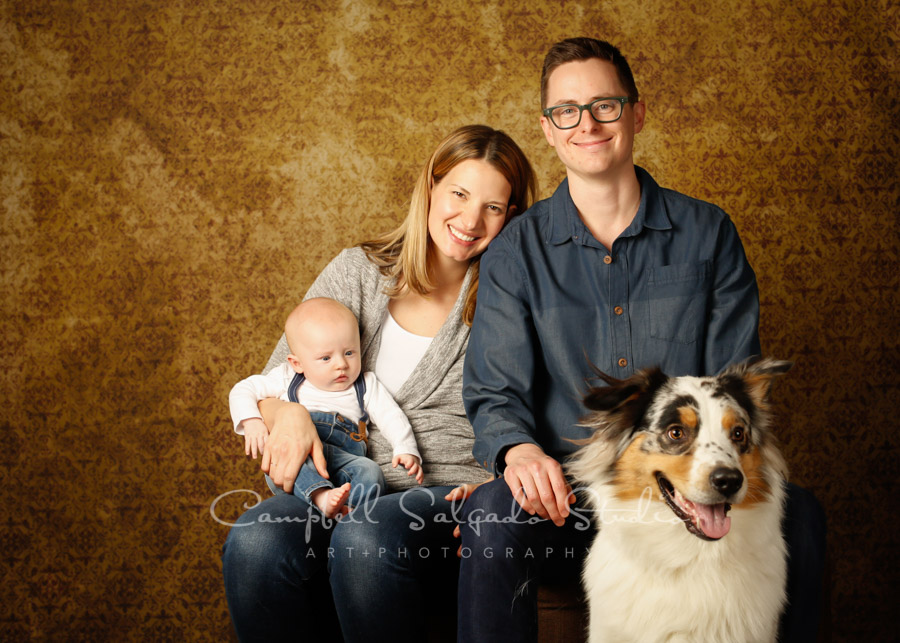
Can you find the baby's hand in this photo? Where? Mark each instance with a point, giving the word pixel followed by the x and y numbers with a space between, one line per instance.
pixel 255 434
pixel 411 464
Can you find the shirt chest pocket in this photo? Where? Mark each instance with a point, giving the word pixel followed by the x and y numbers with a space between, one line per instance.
pixel 678 297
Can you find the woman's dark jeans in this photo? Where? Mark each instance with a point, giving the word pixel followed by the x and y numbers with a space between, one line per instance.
pixel 390 565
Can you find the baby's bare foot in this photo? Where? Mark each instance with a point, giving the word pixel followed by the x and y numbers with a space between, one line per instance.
pixel 332 502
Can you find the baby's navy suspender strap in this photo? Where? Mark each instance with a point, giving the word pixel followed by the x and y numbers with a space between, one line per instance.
pixel 294 385
pixel 360 386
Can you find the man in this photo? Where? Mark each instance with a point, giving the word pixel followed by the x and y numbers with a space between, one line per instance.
pixel 611 271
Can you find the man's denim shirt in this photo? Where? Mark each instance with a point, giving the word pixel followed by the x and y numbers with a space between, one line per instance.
pixel 675 292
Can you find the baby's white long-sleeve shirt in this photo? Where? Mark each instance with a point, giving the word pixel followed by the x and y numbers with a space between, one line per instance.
pixel 383 410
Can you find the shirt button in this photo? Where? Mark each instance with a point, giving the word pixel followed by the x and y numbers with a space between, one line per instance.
pixel 607 259
pixel 623 362
pixel 618 310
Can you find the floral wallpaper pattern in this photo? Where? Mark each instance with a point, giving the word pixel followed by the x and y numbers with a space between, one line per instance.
pixel 174 175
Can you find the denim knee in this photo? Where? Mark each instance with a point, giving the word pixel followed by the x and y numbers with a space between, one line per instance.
pixel 365 478
pixel 389 559
pixel 367 473
pixel 388 532
pixel 250 549
pixel 355 539
pixel 254 553
pixel 273 563
pixel 493 497
pixel 357 559
pixel 493 517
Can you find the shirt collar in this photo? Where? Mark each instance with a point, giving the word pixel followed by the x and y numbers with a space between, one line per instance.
pixel 564 222
pixel 561 223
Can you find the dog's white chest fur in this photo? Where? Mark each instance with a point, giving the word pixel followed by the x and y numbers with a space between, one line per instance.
pixel 687 489
pixel 656 582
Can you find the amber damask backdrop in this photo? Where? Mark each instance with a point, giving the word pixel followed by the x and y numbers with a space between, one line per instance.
pixel 175 174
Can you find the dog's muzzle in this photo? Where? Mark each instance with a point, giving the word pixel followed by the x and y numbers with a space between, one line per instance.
pixel 709 522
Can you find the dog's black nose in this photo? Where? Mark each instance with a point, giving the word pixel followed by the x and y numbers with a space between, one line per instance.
pixel 726 481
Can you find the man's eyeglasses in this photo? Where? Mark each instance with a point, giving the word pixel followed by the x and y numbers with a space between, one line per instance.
pixel 603 110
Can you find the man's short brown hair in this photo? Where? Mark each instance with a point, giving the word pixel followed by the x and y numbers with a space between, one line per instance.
pixel 575 49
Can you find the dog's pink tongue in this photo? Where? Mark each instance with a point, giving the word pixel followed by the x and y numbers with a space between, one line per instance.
pixel 712 520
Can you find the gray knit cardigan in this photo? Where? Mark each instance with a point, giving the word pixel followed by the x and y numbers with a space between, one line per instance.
pixel 431 397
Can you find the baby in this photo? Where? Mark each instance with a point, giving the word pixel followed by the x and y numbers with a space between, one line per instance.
pixel 323 374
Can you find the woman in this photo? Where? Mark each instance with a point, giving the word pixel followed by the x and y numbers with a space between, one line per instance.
pixel 391 564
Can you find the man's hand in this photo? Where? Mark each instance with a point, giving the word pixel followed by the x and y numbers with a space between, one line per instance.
pixel 537 483
pixel 411 464
pixel 292 439
pixel 255 434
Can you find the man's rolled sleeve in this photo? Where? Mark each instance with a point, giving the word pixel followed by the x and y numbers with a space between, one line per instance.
pixel 498 378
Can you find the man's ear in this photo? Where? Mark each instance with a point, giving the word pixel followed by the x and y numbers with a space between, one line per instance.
pixel 547 126
pixel 640 111
pixel 295 363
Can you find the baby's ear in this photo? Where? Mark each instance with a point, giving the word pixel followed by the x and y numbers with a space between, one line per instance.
pixel 295 363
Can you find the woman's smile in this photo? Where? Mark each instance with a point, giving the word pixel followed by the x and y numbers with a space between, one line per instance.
pixel 469 206
pixel 461 236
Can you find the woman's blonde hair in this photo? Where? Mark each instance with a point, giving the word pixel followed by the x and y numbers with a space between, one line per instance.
pixel 403 253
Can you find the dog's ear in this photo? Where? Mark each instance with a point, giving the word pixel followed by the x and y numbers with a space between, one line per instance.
pixel 619 392
pixel 758 374
pixel 622 403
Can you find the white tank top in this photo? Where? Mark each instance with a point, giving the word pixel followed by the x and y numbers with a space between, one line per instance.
pixel 398 354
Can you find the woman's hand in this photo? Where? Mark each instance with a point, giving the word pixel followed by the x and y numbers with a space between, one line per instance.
pixel 293 437
pixel 460 494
